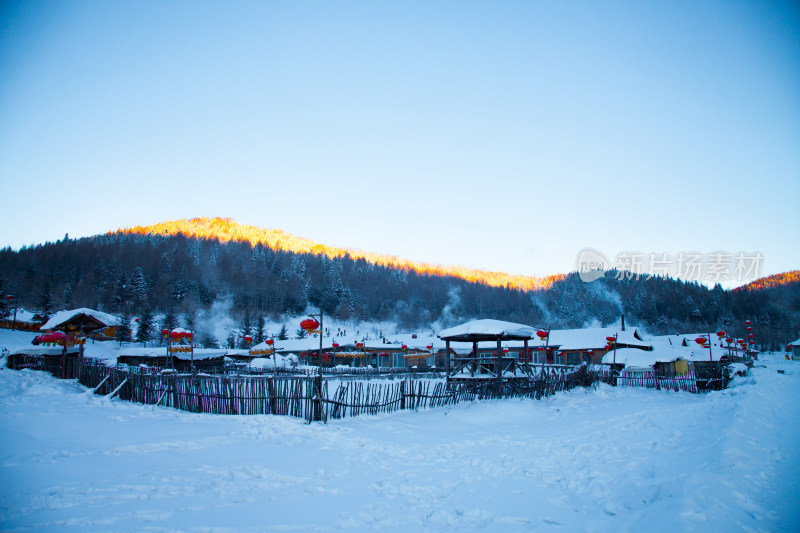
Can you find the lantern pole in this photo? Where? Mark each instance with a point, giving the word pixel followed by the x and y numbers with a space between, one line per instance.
pixel 274 358
pixel 546 344
pixel 321 335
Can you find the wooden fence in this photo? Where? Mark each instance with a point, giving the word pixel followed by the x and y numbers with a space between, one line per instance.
pixel 309 397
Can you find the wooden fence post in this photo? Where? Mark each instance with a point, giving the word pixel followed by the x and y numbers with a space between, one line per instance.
pixel 317 403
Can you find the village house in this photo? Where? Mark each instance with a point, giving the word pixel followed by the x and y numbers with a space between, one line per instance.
pixel 794 350
pixel 22 320
pixel 570 346
pixel 202 359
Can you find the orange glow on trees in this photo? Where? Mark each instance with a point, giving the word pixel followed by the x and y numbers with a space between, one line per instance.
pixel 226 230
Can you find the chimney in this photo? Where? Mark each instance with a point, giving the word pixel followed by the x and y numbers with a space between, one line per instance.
pixel 623 322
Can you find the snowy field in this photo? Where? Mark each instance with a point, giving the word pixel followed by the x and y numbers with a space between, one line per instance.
pixel 608 459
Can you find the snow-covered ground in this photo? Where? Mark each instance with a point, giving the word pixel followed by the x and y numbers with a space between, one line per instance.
pixel 605 459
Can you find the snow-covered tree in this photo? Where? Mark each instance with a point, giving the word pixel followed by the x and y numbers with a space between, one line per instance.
pixel 144 332
pixel 283 334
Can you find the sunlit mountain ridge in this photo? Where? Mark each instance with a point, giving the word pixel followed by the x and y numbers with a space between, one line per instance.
pixel 775 280
pixel 227 230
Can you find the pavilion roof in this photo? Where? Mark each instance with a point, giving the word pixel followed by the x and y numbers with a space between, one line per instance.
pixel 487 330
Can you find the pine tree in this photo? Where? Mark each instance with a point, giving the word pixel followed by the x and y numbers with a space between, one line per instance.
pixel 124 328
pixel 6 304
pixel 208 341
pixel 145 330
pixel 138 285
pixel 122 295
pixel 169 321
pixel 247 323
pixel 68 290
pixel 283 334
pixel 46 302
pixel 259 336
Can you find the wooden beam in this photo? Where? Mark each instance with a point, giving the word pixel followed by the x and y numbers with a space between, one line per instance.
pixel 124 381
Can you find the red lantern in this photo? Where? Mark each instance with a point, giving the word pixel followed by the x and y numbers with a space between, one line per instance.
pixel 751 336
pixel 720 334
pixel 429 347
pixel 505 350
pixel 749 329
pixel 404 347
pixel 269 342
pixel 188 335
pixel 701 340
pixel 309 324
pixel 175 335
pixel 165 332
pixel 747 322
pixel 359 345
pixel 9 297
pixel 611 340
pixel 542 334
pixel 137 320
pixel 335 345
pixel 609 347
pixel 248 338
pixel 58 336
pixel 590 352
pixel 729 340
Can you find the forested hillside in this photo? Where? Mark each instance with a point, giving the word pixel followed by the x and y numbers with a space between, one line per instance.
pixel 134 274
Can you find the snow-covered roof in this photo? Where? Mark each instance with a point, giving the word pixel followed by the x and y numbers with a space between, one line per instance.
pixel 661 354
pixel 65 316
pixel 199 353
pixel 42 350
pixel 677 340
pixel 593 338
pixel 281 361
pixel 261 346
pixel 304 344
pixel 478 329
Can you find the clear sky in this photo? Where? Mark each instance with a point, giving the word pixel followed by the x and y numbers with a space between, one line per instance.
pixel 499 135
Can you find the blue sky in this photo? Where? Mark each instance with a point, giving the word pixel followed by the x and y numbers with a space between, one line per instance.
pixel 497 135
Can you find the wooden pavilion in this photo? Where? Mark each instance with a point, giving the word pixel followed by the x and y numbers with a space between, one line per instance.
pixel 475 367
